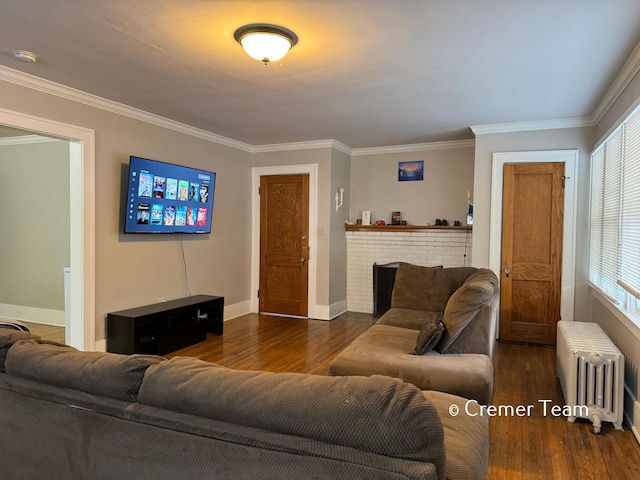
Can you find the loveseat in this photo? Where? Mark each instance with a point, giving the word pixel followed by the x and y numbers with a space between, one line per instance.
pixel 460 360
pixel 68 414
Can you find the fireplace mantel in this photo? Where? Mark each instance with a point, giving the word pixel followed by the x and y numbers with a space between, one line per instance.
pixel 404 228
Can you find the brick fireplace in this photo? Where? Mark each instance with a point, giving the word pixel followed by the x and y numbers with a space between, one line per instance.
pixel 426 246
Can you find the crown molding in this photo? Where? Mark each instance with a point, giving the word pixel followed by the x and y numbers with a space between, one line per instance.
pixel 25 140
pixel 624 77
pixel 62 91
pixel 282 147
pixel 530 126
pixel 413 147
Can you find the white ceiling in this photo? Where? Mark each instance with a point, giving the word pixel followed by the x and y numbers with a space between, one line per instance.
pixel 364 72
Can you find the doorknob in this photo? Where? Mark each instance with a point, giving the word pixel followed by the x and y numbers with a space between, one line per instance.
pixel 302 259
pixel 507 271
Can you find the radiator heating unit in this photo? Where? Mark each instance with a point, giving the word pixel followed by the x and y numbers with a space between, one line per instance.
pixel 591 373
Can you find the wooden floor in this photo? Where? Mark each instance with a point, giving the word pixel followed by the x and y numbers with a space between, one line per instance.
pixel 538 446
pixel 46 331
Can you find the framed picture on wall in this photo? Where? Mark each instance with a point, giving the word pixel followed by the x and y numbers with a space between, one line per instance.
pixel 411 171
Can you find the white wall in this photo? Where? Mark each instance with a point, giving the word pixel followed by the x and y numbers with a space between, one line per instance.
pixel 625 334
pixel 322 158
pixel 448 176
pixel 557 139
pixel 34 239
pixel 138 270
pixel 340 178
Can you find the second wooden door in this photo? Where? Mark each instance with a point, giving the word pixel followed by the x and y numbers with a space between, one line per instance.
pixel 533 199
pixel 284 244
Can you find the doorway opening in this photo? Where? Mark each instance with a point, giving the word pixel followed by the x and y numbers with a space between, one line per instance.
pixel 258 172
pixel 81 281
pixel 570 160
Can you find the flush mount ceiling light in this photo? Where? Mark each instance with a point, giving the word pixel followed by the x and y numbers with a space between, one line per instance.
pixel 265 42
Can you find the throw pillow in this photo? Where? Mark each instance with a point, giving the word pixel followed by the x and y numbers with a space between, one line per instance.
pixel 429 335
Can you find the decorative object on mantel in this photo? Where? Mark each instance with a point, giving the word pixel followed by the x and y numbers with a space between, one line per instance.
pixel 396 218
pixel 404 228
pixel 366 217
pixel 411 171
pixel 470 211
pixel 442 223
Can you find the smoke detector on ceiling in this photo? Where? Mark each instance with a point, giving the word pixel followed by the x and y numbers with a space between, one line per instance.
pixel 25 56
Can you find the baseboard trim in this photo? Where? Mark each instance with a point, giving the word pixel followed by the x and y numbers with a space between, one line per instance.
pixel 329 312
pixel 41 316
pixel 338 309
pixel 630 416
pixel 100 346
pixel 237 310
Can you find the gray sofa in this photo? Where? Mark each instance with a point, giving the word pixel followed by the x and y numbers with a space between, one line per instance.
pixel 68 414
pixel 461 361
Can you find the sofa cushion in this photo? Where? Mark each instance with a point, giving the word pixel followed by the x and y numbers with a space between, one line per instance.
pixel 7 338
pixel 429 334
pixel 466 436
pixel 465 304
pixel 426 288
pixel 383 350
pixel 98 373
pixel 377 414
pixel 405 318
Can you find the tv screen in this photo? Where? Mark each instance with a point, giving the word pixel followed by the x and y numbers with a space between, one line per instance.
pixel 167 198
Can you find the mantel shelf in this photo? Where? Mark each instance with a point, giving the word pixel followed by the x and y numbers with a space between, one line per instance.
pixel 404 228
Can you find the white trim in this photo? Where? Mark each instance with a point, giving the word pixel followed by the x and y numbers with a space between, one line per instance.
pixel 627 113
pixel 570 159
pixel 43 316
pixel 82 210
pixel 337 309
pixel 257 172
pixel 283 147
pixel 635 413
pixel 237 310
pixel 25 140
pixel 624 77
pixel 324 312
pixel 100 345
pixel 530 126
pixel 52 88
pixel 617 312
pixel 414 147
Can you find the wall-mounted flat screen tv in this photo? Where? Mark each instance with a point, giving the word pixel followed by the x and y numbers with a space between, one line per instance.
pixel 167 198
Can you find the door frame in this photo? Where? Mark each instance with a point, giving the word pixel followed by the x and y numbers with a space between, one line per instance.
pixel 570 159
pixel 82 218
pixel 256 173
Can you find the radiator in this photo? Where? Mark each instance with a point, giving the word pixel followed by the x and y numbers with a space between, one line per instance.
pixel 591 373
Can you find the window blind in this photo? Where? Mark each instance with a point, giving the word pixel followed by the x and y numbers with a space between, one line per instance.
pixel 630 207
pixel 614 232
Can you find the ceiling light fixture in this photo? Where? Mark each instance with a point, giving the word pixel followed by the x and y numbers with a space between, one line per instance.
pixel 264 42
pixel 25 56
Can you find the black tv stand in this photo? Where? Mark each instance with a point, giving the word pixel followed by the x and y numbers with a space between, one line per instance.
pixel 165 327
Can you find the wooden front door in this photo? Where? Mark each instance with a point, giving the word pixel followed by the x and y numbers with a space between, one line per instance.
pixel 532 219
pixel 284 244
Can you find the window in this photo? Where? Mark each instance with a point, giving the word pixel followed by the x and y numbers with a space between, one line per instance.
pixel 614 234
